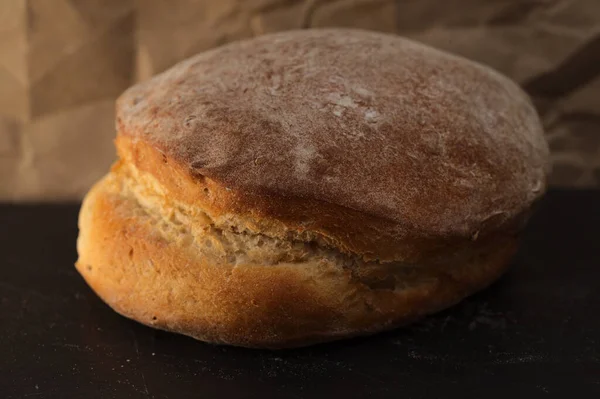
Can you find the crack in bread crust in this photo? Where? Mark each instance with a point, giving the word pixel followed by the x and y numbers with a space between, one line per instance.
pixel 224 242
pixel 233 245
pixel 192 227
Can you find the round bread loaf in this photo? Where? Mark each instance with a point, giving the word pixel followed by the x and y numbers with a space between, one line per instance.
pixel 310 185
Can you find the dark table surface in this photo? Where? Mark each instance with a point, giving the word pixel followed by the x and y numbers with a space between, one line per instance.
pixel 534 334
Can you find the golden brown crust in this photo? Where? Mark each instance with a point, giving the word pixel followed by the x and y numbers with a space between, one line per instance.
pixel 148 274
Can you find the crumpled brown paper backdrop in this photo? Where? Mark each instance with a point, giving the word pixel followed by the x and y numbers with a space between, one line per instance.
pixel 63 62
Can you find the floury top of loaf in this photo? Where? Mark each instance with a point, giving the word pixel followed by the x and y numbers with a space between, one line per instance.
pixel 344 133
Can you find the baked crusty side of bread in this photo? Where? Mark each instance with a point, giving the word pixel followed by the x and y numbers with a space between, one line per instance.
pixel 140 253
pixel 310 185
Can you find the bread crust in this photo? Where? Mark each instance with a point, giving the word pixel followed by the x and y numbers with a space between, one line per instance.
pixel 310 185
